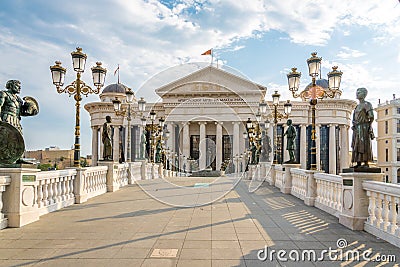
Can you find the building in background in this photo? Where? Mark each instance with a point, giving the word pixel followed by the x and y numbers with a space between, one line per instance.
pixel 52 156
pixel 206 112
pixel 388 119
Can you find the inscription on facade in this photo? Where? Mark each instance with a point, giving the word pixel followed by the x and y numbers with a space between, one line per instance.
pixel 208 100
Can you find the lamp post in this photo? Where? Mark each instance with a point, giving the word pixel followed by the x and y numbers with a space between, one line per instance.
pixel 128 114
pixel 78 88
pixel 315 92
pixel 152 119
pixel 277 116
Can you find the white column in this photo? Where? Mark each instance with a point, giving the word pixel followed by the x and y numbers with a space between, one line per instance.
pixel 241 139
pixel 303 146
pixel 171 139
pixel 140 129
pixel 203 146
pixel 218 142
pixel 95 145
pixel 116 144
pixel 318 145
pixel 186 140
pixel 344 147
pixel 236 137
pixel 332 149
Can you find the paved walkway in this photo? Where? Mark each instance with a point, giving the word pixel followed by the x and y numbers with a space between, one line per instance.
pixel 125 227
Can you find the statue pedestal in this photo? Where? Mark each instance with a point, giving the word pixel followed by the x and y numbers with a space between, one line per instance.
pixel 287 180
pixel 355 200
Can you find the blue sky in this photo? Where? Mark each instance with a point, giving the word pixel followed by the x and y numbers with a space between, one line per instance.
pixel 261 39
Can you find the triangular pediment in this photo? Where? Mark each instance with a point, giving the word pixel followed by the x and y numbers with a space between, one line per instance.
pixel 211 80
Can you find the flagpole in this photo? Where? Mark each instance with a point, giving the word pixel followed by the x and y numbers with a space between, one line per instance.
pixel 118 73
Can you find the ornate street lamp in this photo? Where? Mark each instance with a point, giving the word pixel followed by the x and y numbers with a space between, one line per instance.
pixel 78 88
pixel 315 92
pixel 277 116
pixel 130 95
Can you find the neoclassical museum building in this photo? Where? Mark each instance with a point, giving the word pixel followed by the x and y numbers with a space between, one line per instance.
pixel 205 115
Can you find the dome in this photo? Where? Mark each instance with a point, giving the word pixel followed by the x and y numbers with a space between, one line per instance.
pixel 321 82
pixel 115 88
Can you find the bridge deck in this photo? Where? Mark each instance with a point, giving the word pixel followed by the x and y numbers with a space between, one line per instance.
pixel 123 229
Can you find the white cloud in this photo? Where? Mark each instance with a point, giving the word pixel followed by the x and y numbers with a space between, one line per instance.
pixel 347 53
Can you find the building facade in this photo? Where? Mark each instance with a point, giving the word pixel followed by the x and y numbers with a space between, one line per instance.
pixel 388 119
pixel 206 112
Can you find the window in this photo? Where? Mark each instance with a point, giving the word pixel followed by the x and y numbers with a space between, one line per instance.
pixel 387 155
pixel 386 141
pixel 398 126
pixel 398 110
pixel 386 111
pixel 398 175
pixel 386 127
pixel 398 154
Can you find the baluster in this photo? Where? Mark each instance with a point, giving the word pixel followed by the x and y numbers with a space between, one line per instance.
pixel 393 215
pixel 55 190
pixel 59 189
pixel 51 191
pixel 385 212
pixel 378 210
pixel 63 188
pixel 371 207
pixel 67 187
pixel 388 214
pixel 40 194
pixel 45 193
pixel 334 196
pixel 71 186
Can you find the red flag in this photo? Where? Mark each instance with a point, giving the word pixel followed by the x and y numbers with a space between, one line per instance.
pixel 208 52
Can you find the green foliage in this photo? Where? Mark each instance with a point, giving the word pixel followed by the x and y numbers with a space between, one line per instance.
pixel 45 166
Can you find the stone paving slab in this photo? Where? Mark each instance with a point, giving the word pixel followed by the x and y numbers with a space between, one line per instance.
pixel 124 227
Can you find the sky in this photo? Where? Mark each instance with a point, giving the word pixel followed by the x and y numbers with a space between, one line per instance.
pixel 262 40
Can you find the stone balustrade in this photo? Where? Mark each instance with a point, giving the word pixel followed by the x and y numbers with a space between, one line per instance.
pixel 121 174
pixel 26 194
pixel 4 181
pixel 91 182
pixel 329 193
pixel 49 191
pixel 361 200
pixel 383 211
pixel 299 183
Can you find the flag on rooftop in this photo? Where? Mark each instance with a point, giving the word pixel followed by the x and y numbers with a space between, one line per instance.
pixel 208 52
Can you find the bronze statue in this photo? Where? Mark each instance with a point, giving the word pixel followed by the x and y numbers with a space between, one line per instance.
pixel 363 117
pixel 106 138
pixel 143 143
pixel 12 107
pixel 158 151
pixel 291 136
